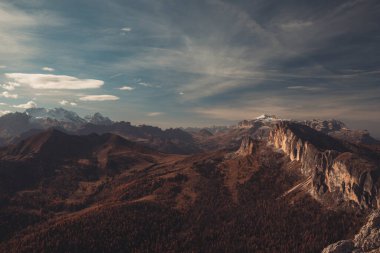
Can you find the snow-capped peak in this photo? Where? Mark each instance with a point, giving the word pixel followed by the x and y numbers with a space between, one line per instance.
pixel 58 114
pixel 98 119
pixel 267 117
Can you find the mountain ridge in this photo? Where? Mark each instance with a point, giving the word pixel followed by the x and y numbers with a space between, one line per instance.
pixel 250 183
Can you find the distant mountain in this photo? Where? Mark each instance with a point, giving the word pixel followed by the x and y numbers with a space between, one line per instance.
pixel 14 124
pixel 41 155
pixel 57 114
pixel 331 127
pixel 264 119
pixel 325 126
pixel 98 119
pixel 15 127
pixel 168 141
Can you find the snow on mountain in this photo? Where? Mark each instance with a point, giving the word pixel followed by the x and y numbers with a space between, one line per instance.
pixel 98 119
pixel 260 120
pixel 58 114
pixel 267 117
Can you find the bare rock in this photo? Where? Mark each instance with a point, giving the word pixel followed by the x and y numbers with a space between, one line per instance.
pixel 246 147
pixel 345 246
pixel 368 238
pixel 366 241
pixel 331 165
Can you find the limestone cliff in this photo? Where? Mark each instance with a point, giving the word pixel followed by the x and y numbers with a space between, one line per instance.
pixel 246 147
pixel 332 166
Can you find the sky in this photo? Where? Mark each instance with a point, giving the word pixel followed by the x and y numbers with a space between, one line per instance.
pixel 193 63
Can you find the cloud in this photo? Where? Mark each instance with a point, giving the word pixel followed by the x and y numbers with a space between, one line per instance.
pixel 1 103
pixel 13 42
pixel 28 105
pixel 306 88
pixel 18 39
pixel 148 85
pixel 153 114
pixel 48 69
pixel 145 84
pixel 99 98
pixel 6 94
pixel 54 82
pixel 65 102
pixel 297 24
pixel 126 29
pixel 126 88
pixel 2 113
pixel 9 85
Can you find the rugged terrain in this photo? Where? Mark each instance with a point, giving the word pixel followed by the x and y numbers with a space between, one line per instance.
pixel 264 185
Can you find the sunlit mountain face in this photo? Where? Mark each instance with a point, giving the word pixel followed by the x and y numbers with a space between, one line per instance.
pixel 189 126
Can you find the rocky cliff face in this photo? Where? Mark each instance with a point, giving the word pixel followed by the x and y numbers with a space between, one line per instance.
pixel 332 166
pixel 246 147
pixel 367 240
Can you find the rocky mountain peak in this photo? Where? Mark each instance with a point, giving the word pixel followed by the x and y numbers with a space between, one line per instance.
pixel 259 121
pixel 58 114
pixel 267 117
pixel 98 119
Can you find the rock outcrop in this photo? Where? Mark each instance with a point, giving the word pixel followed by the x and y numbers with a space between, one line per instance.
pixel 332 166
pixel 325 126
pixel 339 130
pixel 344 246
pixel 367 240
pixel 246 147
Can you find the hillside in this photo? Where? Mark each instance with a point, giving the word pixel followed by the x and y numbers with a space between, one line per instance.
pixel 137 200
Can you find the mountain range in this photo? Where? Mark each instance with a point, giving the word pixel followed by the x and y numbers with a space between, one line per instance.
pixel 73 184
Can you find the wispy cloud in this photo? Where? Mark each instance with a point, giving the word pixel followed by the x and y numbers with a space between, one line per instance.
pixel 99 98
pixel 28 105
pixel 296 24
pixel 129 88
pixel 126 29
pixel 306 88
pixel 6 94
pixel 149 85
pixel 48 69
pixel 153 114
pixel 17 38
pixel 54 82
